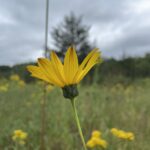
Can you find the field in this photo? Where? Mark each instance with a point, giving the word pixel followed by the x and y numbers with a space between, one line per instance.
pixel 100 107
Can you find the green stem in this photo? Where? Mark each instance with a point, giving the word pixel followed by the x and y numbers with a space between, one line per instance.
pixel 78 123
pixel 43 119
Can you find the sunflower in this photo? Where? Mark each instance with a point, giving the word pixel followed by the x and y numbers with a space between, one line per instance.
pixel 65 75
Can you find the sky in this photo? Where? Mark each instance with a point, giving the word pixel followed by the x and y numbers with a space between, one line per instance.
pixel 118 27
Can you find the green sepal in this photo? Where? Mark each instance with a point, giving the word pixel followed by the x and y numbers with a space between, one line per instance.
pixel 70 91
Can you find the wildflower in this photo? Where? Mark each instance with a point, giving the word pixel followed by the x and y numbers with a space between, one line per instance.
pixel 130 136
pixel 91 144
pixel 114 131
pixel 14 77
pixel 102 143
pixel 4 88
pixel 19 136
pixel 65 75
pixel 21 83
pixel 122 134
pixel 96 133
pixel 96 140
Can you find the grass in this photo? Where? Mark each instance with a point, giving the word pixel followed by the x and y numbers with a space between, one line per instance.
pixel 100 107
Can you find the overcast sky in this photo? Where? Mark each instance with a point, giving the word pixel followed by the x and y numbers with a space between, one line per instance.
pixel 118 26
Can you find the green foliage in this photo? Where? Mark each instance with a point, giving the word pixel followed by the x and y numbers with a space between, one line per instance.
pixel 5 71
pixel 130 68
pixel 22 72
pixel 100 107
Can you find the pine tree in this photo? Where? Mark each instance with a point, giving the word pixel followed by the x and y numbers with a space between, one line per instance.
pixel 72 32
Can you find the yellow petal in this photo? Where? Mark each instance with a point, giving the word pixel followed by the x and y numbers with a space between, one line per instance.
pixel 70 65
pixel 81 72
pixel 49 72
pixel 37 72
pixel 92 61
pixel 87 58
pixel 58 67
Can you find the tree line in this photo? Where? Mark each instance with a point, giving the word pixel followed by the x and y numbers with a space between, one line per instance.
pixel 110 70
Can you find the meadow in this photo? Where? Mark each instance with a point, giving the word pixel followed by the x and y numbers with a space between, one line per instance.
pixel 100 107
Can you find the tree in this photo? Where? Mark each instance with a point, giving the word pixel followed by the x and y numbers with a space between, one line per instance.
pixel 72 32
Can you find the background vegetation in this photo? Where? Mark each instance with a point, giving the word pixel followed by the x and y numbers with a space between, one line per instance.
pixel 101 107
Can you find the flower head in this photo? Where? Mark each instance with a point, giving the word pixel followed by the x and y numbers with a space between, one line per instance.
pixel 19 136
pixel 91 144
pixel 130 136
pixel 21 83
pixel 96 133
pixel 4 88
pixel 64 74
pixel 96 140
pixel 14 77
pixel 114 131
pixel 122 134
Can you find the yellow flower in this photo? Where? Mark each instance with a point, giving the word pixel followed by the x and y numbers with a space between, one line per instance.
pixel 19 136
pixel 14 77
pixel 4 88
pixel 96 140
pixel 130 136
pixel 91 144
pixel 64 74
pixel 21 83
pixel 122 134
pixel 114 131
pixel 102 143
pixel 96 133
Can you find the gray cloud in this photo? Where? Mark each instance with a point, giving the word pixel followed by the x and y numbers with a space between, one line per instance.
pixel 117 26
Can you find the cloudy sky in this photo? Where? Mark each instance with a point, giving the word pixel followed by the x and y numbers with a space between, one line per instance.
pixel 118 26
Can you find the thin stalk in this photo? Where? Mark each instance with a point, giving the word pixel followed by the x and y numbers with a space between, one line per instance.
pixel 78 123
pixel 43 119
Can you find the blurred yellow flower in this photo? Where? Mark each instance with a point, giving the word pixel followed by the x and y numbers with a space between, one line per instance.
pixel 21 83
pixel 96 133
pixel 3 88
pixel 64 74
pixel 102 143
pixel 96 140
pixel 122 134
pixel 114 131
pixel 90 144
pixel 19 136
pixel 130 136
pixel 15 77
